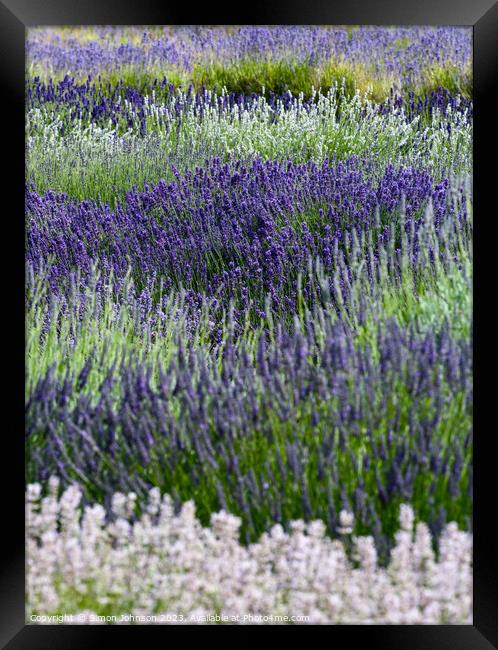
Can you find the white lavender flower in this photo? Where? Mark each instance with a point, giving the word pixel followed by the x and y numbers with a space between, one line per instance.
pixel 170 567
pixel 346 521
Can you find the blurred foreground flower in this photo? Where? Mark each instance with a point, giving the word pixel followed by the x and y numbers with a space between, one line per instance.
pixel 80 561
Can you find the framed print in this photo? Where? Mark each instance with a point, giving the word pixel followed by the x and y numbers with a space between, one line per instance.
pixel 250 284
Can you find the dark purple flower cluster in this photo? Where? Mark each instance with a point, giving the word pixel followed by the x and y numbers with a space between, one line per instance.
pixel 440 99
pixel 238 231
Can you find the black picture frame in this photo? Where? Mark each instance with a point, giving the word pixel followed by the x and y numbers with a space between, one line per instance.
pixel 15 17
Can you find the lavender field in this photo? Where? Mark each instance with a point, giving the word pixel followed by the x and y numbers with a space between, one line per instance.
pixel 249 324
